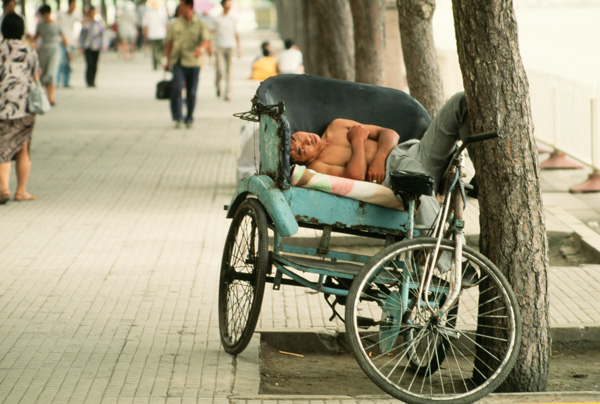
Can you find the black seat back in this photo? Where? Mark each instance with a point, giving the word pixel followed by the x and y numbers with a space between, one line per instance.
pixel 312 102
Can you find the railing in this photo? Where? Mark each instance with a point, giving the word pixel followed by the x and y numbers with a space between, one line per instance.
pixel 566 117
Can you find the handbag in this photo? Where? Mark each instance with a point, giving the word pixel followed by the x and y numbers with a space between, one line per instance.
pixel 163 89
pixel 37 99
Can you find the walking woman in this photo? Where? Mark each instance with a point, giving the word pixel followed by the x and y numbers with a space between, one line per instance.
pixel 51 34
pixel 18 67
pixel 91 42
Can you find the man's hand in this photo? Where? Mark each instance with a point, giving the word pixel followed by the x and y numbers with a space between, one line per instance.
pixel 376 171
pixel 358 133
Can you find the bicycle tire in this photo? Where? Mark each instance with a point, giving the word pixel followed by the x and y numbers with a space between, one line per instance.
pixel 242 276
pixel 466 372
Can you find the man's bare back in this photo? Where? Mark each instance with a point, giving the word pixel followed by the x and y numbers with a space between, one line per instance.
pixel 346 149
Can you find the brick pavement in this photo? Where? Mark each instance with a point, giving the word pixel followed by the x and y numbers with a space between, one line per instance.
pixel 108 280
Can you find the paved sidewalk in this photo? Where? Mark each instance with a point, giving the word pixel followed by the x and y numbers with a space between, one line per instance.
pixel 108 281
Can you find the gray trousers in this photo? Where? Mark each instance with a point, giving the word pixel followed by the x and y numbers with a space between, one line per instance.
pixel 224 60
pixel 430 154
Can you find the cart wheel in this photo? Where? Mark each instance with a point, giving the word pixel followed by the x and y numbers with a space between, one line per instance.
pixel 243 275
pixel 411 352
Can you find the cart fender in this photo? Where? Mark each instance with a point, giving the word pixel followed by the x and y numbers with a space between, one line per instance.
pixel 271 197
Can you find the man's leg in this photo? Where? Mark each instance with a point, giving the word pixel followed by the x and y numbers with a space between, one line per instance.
pixel 228 59
pixel 219 55
pixel 176 100
pixel 447 127
pixel 88 67
pixel 67 69
pixel 191 79
pixel 63 63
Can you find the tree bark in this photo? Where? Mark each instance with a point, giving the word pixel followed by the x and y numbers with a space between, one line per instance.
pixel 420 57
pixel 513 233
pixel 335 41
pixel 369 38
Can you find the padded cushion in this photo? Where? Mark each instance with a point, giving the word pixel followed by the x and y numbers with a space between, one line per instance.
pixel 312 102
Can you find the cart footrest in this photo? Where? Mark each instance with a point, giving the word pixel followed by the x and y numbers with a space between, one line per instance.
pixel 319 266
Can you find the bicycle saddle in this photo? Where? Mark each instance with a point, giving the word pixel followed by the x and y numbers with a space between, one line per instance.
pixel 411 183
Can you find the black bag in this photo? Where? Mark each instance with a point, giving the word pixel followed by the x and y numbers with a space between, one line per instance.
pixel 163 89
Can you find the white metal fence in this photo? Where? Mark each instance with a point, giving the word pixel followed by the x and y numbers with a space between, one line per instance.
pixel 566 114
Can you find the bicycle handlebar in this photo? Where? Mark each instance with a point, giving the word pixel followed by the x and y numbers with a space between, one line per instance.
pixel 480 137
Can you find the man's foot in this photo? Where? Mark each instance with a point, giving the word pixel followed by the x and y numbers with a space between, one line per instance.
pixel 189 125
pixel 24 197
pixel 469 276
pixel 227 98
pixel 4 198
pixel 178 124
pixel 218 93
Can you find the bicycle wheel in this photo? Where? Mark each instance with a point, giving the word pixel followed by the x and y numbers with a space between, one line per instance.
pixel 243 275
pixel 407 349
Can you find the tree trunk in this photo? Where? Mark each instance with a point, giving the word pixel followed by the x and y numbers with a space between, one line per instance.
pixel 335 42
pixel 369 40
pixel 513 233
pixel 420 57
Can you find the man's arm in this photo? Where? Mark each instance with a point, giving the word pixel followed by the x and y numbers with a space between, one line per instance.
pixel 356 168
pixel 386 140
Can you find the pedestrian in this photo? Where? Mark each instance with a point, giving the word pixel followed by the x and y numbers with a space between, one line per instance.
pixel 16 123
pixel 126 30
pixel 226 38
pixel 289 61
pixel 264 67
pixel 187 38
pixel 10 6
pixel 91 42
pixel 154 23
pixel 67 22
pixel 51 36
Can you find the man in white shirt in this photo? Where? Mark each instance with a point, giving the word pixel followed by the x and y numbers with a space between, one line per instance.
pixel 289 61
pixel 154 27
pixel 226 38
pixel 67 22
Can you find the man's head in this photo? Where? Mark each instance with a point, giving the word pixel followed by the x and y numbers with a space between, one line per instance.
pixel 45 10
pixel 9 6
pixel 288 43
pixel 186 8
pixel 13 26
pixel 92 12
pixel 72 5
pixel 226 4
pixel 305 147
pixel 265 45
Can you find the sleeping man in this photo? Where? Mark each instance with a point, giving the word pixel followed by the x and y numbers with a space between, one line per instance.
pixel 370 153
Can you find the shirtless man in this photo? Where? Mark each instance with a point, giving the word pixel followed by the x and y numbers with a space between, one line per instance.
pixel 368 152
pixel 346 149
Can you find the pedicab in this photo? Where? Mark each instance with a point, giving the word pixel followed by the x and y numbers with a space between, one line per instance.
pixel 416 327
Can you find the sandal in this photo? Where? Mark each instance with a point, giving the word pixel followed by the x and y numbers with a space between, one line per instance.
pixel 4 198
pixel 24 197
